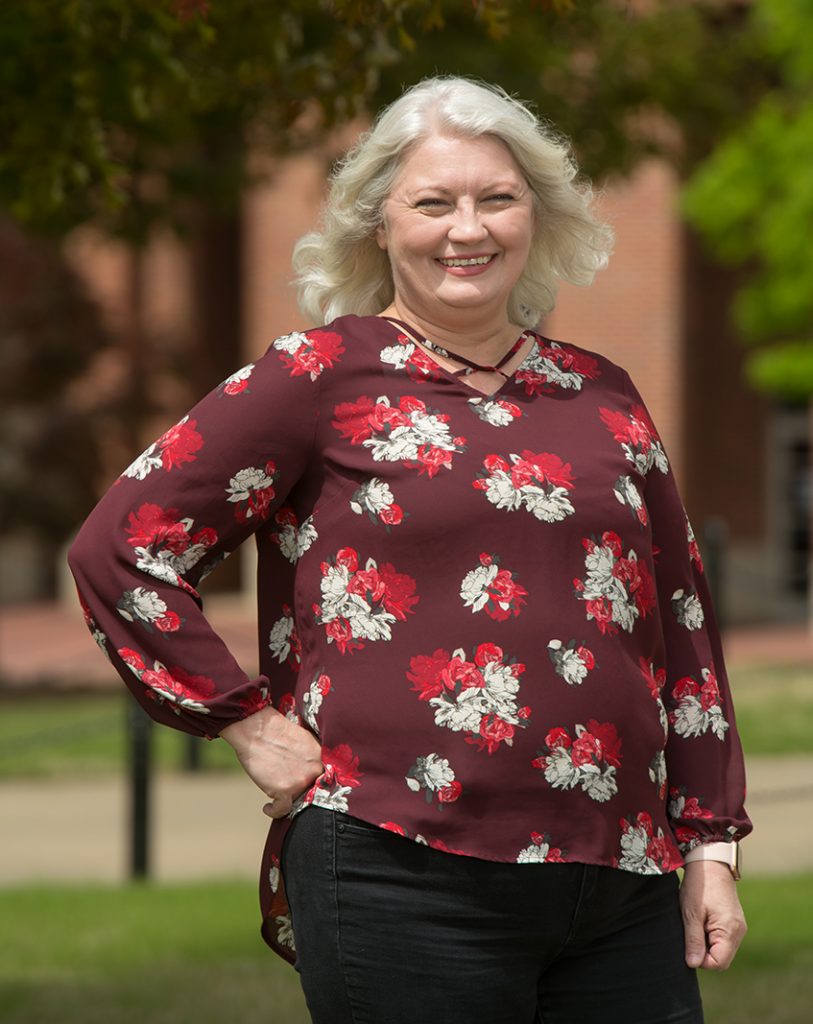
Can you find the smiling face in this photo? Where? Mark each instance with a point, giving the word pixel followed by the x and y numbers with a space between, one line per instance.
pixel 457 227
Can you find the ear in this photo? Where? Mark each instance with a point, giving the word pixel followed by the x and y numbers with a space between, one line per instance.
pixel 381 236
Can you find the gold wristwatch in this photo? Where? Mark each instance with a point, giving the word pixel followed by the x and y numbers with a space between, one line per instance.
pixel 725 853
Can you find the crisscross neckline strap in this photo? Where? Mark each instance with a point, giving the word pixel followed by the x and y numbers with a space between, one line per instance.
pixel 469 365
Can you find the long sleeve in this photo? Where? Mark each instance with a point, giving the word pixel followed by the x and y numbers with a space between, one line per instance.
pixel 188 501
pixel 704 760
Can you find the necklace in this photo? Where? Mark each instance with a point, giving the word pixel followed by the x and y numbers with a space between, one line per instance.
pixel 469 365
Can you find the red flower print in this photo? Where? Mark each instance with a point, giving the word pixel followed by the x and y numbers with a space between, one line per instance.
pixel 409 433
pixel 655 680
pixel 132 658
pixel 254 701
pixel 390 826
pixel 431 460
pixel 353 419
pixel 558 737
pixel 493 732
pixel 427 672
pixel 391 515
pixel 609 740
pixel 152 524
pixel 380 595
pixel 341 766
pixel 168 623
pixel 179 444
pixel 448 794
pixel 487 653
pixel 309 353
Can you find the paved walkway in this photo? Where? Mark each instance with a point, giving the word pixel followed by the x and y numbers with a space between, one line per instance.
pixel 211 825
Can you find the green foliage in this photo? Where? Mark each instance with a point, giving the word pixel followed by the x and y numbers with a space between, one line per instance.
pixel 753 201
pixel 125 112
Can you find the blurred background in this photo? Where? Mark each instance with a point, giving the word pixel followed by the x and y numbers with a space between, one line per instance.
pixel 158 160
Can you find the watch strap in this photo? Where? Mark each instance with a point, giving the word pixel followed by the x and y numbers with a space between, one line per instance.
pixel 724 853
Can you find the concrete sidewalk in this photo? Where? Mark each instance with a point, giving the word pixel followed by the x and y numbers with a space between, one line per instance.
pixel 211 825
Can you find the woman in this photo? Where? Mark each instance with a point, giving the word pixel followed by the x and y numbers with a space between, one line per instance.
pixel 493 718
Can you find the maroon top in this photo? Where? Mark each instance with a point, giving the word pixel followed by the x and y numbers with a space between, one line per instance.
pixel 490 610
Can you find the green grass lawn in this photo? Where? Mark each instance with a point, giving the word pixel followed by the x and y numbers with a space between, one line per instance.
pixel 192 955
pixel 84 734
pixel 55 735
pixel 774 706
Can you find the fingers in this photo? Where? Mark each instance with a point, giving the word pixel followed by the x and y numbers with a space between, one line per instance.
pixel 695 941
pixel 277 808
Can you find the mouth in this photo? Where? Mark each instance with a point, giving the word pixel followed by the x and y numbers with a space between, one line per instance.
pixel 466 261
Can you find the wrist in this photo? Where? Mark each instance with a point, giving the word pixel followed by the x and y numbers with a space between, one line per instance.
pixel 245 731
pixel 726 854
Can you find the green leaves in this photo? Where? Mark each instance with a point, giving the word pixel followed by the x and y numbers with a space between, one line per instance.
pixel 753 201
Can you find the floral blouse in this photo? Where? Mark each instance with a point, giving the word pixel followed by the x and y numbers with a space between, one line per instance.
pixel 491 610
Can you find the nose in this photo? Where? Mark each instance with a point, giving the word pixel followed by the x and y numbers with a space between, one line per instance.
pixel 467 225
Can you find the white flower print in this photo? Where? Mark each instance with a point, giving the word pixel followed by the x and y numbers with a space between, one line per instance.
pixel 274 875
pixel 246 481
pixel 312 700
pixel 560 771
pixel 172 450
pixel 375 498
pixel 590 760
pixel 408 432
pixel 537 481
pixel 404 442
pixel 474 589
pixel 628 494
pixel 549 365
pixel 144 463
pixel 397 356
pixel 432 772
pixel 617 589
pixel 148 608
pixel 309 354
pixel 477 695
pixel 237 383
pixel 435 776
pixel 657 772
pixel 572 662
pixel 285 931
pixel 332 799
pixel 688 609
pixel 495 411
pixel 490 588
pixel 361 604
pixel 283 641
pixel 696 708
pixel 639 439
pixel 645 851
pixel 634 841
pixel 540 851
pixel 293 540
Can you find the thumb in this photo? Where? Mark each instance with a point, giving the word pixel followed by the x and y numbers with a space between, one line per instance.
pixel 695 941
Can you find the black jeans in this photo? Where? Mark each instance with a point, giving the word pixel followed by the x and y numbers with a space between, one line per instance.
pixel 389 931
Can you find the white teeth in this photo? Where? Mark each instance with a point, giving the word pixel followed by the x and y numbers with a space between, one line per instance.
pixel 475 261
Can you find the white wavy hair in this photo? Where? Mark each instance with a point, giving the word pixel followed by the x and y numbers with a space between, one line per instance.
pixel 341 269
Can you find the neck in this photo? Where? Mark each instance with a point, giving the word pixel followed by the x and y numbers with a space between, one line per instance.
pixel 479 338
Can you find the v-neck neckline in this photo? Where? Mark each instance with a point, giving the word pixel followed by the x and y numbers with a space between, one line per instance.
pixel 447 375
